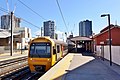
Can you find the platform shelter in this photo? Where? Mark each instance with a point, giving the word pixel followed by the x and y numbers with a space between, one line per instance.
pixel 82 44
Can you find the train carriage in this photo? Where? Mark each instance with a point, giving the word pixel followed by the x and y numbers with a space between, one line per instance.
pixel 44 52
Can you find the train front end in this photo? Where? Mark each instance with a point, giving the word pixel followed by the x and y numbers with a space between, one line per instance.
pixel 39 58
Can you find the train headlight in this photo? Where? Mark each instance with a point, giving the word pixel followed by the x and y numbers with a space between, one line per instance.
pixel 48 59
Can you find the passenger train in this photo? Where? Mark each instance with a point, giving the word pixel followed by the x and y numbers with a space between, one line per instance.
pixel 44 52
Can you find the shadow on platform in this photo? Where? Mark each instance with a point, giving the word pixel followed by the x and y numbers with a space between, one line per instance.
pixel 92 70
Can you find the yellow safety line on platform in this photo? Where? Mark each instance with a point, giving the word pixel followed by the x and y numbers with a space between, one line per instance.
pixel 59 69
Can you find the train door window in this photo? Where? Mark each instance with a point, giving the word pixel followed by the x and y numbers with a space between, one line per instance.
pixel 58 48
pixel 48 48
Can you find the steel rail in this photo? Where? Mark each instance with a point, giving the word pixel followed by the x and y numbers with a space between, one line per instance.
pixel 12 65
pixel 12 60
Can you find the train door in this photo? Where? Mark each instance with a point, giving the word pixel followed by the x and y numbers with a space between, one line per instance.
pixel 62 49
pixel 54 56
pixel 58 48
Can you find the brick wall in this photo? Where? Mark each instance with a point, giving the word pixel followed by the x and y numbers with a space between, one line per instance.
pixel 115 36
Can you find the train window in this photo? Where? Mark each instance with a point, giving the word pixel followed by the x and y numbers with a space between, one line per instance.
pixel 58 49
pixel 48 49
pixel 40 50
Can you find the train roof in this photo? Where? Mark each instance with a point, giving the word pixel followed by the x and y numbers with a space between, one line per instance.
pixel 52 40
pixel 59 42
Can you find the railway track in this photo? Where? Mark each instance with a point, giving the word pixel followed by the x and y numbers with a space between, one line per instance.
pixel 2 63
pixel 9 66
pixel 22 74
pixel 17 69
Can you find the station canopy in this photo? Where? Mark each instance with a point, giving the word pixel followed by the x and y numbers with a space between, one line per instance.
pixel 5 33
pixel 79 38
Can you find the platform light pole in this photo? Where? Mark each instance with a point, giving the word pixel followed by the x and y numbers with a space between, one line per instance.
pixel 11 43
pixel 109 32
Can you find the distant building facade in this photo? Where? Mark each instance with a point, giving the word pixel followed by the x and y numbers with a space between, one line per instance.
pixel 49 29
pixel 6 22
pixel 22 35
pixel 102 45
pixel 103 36
pixel 85 28
pixel 24 38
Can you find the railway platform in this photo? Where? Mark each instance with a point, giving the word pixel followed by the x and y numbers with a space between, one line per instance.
pixel 6 56
pixel 76 66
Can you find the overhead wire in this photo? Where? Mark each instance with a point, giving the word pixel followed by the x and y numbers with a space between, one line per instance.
pixel 4 10
pixel 30 23
pixel 42 16
pixel 31 10
pixel 62 15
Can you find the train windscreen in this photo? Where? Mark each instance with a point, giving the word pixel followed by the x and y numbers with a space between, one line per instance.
pixel 40 50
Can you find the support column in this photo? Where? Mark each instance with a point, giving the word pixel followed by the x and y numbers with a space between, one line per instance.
pixel 89 46
pixel 11 41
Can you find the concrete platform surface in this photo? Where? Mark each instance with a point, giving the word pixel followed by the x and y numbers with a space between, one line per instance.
pixel 75 66
pixel 6 56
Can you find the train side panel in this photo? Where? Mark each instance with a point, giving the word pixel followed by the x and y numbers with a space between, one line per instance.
pixel 53 49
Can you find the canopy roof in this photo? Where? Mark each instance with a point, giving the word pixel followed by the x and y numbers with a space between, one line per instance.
pixel 5 34
pixel 79 38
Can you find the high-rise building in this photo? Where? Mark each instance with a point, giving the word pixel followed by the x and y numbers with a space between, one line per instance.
pixel 85 28
pixel 49 29
pixel 6 22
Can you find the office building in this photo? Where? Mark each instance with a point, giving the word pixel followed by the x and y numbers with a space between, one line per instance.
pixel 85 28
pixel 6 22
pixel 49 29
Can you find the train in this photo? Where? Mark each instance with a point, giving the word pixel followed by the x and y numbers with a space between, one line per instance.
pixel 44 53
